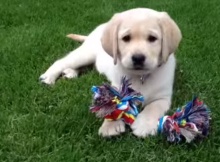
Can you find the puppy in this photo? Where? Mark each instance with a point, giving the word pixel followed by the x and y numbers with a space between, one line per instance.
pixel 138 43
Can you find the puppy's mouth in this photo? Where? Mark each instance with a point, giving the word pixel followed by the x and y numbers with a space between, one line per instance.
pixel 138 67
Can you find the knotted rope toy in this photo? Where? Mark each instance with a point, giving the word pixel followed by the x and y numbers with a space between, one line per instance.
pixel 189 122
pixel 111 104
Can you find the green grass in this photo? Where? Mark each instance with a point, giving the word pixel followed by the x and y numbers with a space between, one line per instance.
pixel 40 123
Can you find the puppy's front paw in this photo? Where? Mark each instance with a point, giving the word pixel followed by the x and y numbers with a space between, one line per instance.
pixel 112 128
pixel 143 126
pixel 69 73
pixel 47 79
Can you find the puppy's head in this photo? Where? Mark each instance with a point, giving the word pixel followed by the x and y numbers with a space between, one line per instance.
pixel 141 39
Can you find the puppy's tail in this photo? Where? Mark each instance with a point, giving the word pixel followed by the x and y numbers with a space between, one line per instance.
pixel 77 37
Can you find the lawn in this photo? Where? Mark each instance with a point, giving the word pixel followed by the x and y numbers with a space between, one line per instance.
pixel 41 123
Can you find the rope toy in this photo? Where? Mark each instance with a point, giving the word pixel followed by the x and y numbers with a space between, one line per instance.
pixel 111 104
pixel 188 122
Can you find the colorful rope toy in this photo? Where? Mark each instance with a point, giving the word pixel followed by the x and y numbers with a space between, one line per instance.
pixel 189 122
pixel 111 104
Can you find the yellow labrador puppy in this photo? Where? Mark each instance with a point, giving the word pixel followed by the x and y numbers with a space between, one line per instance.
pixel 138 43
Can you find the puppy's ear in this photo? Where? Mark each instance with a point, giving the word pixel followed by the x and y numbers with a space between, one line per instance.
pixel 171 36
pixel 109 38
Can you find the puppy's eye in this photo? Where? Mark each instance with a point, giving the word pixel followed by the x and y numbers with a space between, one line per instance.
pixel 126 38
pixel 152 38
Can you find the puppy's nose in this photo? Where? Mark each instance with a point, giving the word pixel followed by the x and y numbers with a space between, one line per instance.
pixel 138 59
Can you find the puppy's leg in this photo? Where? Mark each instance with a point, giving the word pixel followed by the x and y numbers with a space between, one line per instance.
pixel 112 128
pixel 146 122
pixel 69 73
pixel 83 55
